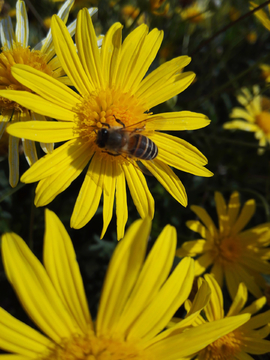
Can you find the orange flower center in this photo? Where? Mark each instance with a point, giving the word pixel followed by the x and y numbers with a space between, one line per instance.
pixel 111 110
pixel 229 250
pixel 18 55
pixel 91 347
pixel 224 348
pixel 263 120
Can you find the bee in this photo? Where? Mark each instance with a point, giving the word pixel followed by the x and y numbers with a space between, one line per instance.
pixel 118 140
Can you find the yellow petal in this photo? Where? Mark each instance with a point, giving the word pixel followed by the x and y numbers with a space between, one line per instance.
pixel 206 219
pixel 140 63
pixel 88 51
pixel 139 191
pixel 168 179
pixel 239 300
pixel 164 74
pixel 122 275
pixel 162 307
pixel 66 51
pixel 244 217
pixel 240 125
pixel 190 156
pixel 152 276
pixel 192 248
pixel 183 345
pixel 63 270
pixel 46 86
pixel 43 131
pixel 176 121
pixel 111 171
pixel 37 104
pixel 60 159
pixel 233 208
pixel 214 309
pixel 202 263
pixel 22 27
pixel 198 227
pixel 223 218
pixel 37 294
pixel 90 193
pixel 19 338
pixel 121 204
pixel 130 48
pixel 110 53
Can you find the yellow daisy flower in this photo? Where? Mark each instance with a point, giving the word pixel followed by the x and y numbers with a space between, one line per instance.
pixel 108 122
pixel 137 301
pixel 246 339
pixel 256 116
pixel 15 49
pixel 261 15
pixel 239 256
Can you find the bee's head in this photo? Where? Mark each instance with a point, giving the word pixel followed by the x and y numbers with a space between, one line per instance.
pixel 102 137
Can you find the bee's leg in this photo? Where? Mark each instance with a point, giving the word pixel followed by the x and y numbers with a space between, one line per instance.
pixel 106 124
pixel 110 153
pixel 119 122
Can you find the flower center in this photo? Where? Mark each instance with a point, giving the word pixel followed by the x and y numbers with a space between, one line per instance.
pixel 229 250
pixel 91 347
pixel 224 348
pixel 263 120
pixel 18 55
pixel 107 111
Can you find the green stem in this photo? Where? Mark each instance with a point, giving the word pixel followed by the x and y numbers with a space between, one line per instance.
pixel 10 192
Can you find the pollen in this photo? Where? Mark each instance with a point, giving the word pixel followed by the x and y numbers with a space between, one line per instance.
pixel 263 120
pixel 224 348
pixel 18 55
pixel 228 250
pixel 91 347
pixel 109 108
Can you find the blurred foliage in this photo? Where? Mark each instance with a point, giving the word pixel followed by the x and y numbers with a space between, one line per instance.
pixel 223 64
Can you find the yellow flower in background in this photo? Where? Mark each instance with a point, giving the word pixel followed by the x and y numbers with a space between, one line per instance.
pixel 255 117
pixel 196 12
pixel 246 339
pixel 261 15
pixel 228 251
pixel 108 122
pixel 15 49
pixel 252 37
pixel 130 13
pixel 265 72
pixel 138 300
pixel 234 13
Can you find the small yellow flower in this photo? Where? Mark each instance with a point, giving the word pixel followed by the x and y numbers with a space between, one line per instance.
pixel 252 37
pixel 234 13
pixel 246 339
pixel 265 72
pixel 197 12
pixel 256 116
pixel 239 256
pixel 113 97
pixel 15 50
pixel 130 13
pixel 261 15
pixel 138 299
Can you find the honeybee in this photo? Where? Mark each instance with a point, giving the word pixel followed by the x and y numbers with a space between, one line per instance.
pixel 119 140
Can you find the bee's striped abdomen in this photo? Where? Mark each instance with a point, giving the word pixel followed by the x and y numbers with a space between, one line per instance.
pixel 142 147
